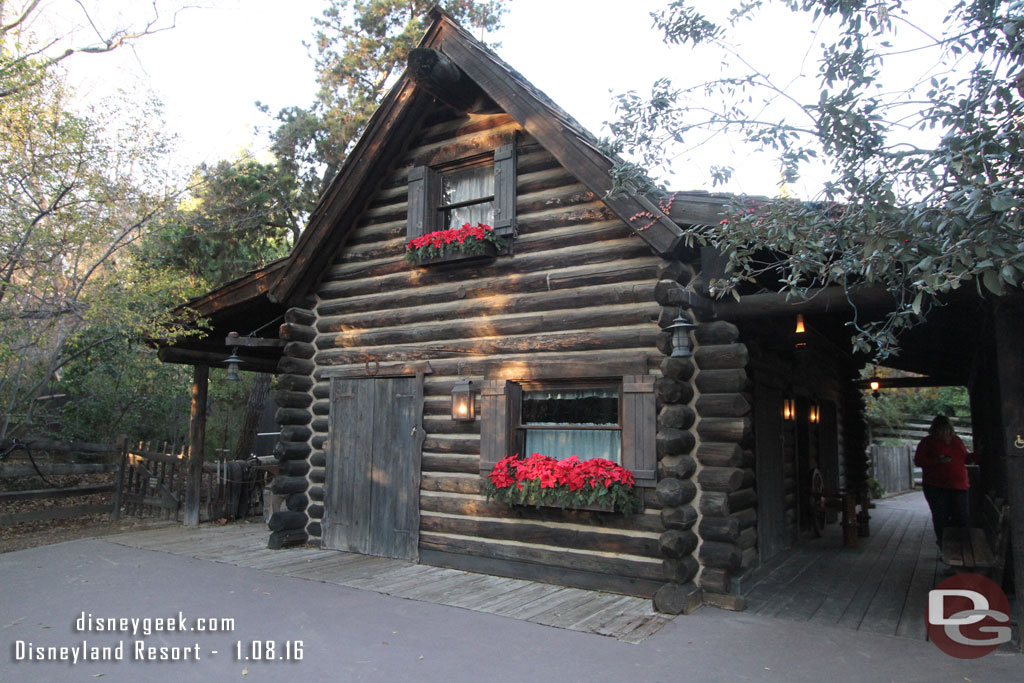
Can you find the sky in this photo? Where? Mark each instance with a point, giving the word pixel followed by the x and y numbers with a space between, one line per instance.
pixel 221 58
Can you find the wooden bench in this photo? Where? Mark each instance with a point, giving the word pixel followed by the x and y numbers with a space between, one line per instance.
pixel 982 549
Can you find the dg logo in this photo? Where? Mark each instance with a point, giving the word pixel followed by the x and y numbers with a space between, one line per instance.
pixel 968 616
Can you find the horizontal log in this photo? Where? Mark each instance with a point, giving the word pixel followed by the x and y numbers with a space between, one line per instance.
pixel 745 518
pixel 574 559
pixel 294 468
pixel 723 529
pixel 742 499
pixel 294 382
pixel 722 405
pixel 721 357
pixel 676 271
pixel 316 493
pixel 321 408
pixel 674 442
pixel 668 292
pixel 720 555
pixel 676 467
pixel 716 332
pixel 663 342
pixel 318 441
pixel 675 492
pixel 727 479
pixel 747 539
pixel 681 369
pixel 445 462
pixel 297 502
pixel 290 450
pixel 315 511
pixel 715 580
pixel 676 417
pixel 544 533
pixel 286 519
pixel 732 380
pixel 735 429
pixel 669 390
pixel 472 506
pixel 293 399
pixel 36 494
pixel 287 539
pixel 314 529
pixel 676 543
pixel 682 569
pixel 296 433
pixel 678 598
pixel 469 445
pixel 714 504
pixel 320 424
pixel 718 454
pixel 682 517
pixel 297 349
pixel 295 366
pixel 297 332
pixel 293 416
pixel 299 316
pixel 317 475
pixel 286 485
pixel 318 459
pixel 450 484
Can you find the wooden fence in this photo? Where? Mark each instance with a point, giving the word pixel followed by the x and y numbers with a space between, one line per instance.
pixel 34 461
pixel 893 468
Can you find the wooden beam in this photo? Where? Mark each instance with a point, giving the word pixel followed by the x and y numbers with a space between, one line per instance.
pixel 171 354
pixel 196 444
pixel 819 300
pixel 1008 330
pixel 234 339
pixel 904 382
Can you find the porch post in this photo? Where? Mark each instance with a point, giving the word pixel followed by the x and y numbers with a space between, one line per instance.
pixel 1009 370
pixel 196 442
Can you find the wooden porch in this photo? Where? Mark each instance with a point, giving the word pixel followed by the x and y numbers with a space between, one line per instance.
pixel 626 618
pixel 880 586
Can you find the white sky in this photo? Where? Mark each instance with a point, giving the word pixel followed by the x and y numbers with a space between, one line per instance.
pixel 219 60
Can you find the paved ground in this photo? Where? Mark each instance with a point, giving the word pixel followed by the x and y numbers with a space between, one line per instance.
pixel 348 634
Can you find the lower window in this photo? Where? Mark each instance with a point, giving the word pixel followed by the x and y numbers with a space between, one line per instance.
pixel 562 420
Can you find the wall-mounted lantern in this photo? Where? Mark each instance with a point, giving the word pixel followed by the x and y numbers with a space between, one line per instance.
pixel 875 386
pixel 233 362
pixel 814 414
pixel 680 329
pixel 463 401
pixel 789 409
pixel 800 327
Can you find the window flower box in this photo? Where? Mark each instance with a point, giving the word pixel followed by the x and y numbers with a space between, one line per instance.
pixel 542 481
pixel 459 245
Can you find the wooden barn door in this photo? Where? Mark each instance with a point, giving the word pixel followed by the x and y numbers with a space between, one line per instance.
pixel 769 470
pixel 373 466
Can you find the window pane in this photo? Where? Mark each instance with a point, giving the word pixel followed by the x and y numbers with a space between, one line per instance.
pixel 467 185
pixel 472 214
pixel 598 406
pixel 583 443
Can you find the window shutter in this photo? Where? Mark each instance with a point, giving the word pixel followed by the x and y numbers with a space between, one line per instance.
pixel 499 416
pixel 424 193
pixel 505 190
pixel 639 425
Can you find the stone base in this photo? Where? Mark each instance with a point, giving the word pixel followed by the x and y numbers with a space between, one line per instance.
pixel 675 598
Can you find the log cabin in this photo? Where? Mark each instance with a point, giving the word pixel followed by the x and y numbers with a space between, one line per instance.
pixel 579 302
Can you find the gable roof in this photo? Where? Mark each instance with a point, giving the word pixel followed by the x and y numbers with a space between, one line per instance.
pixel 388 131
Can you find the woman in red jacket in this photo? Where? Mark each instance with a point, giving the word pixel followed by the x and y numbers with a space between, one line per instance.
pixel 942 458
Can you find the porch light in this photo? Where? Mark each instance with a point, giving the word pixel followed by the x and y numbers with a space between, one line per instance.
pixel 875 385
pixel 800 328
pixel 463 401
pixel 814 414
pixel 789 409
pixel 233 362
pixel 680 329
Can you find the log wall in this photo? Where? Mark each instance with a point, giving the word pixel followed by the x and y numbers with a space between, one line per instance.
pixel 577 288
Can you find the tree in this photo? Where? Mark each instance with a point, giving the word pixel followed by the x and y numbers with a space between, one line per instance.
pixel 77 189
pixel 361 47
pixel 925 191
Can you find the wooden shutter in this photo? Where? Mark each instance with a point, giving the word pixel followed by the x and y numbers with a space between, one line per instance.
pixel 499 418
pixel 424 194
pixel 639 428
pixel 505 190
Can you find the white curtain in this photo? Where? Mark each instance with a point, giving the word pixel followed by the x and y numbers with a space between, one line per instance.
pixel 464 186
pixel 569 408
pixel 583 443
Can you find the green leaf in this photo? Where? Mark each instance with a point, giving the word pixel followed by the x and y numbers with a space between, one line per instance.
pixel 991 281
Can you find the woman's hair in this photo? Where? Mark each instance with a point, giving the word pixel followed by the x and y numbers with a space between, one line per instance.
pixel 941 427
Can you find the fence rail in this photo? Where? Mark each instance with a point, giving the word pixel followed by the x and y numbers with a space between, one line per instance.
pixel 893 468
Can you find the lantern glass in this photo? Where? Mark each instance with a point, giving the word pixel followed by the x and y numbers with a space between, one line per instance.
pixel 680 328
pixel 788 409
pixel 463 401
pixel 814 414
pixel 233 362
pixel 800 327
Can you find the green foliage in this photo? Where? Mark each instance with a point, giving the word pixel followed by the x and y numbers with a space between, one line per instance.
pixel 361 47
pixel 925 192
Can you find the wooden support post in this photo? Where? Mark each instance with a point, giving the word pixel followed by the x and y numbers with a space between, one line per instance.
pixel 115 512
pixel 196 443
pixel 1009 370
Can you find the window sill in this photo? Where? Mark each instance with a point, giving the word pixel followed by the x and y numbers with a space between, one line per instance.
pixel 593 507
pixel 487 252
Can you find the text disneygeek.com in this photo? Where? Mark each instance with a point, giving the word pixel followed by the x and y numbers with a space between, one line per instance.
pixel 140 650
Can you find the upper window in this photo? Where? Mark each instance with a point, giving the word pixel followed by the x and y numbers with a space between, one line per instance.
pixel 561 420
pixel 480 189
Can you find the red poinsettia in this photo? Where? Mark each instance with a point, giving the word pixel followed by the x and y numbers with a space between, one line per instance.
pixel 469 239
pixel 571 482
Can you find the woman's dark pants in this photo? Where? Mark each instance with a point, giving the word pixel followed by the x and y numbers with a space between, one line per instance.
pixel 949 508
